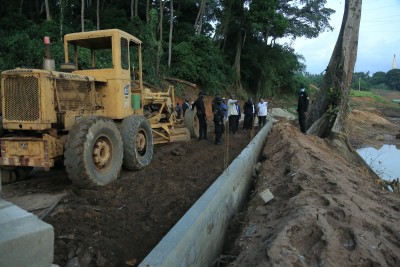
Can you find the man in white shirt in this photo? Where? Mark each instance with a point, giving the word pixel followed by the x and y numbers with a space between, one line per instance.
pixel 232 114
pixel 262 108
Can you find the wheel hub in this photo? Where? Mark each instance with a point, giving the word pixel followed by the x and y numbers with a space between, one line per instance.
pixel 101 153
pixel 140 142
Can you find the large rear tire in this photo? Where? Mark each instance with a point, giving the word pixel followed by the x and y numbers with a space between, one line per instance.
pixel 192 123
pixel 137 138
pixel 93 152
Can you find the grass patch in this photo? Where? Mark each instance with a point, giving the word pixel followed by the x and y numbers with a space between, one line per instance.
pixel 356 93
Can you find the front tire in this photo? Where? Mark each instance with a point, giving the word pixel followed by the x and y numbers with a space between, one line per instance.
pixel 93 152
pixel 138 142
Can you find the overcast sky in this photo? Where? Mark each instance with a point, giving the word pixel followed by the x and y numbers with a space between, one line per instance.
pixel 379 38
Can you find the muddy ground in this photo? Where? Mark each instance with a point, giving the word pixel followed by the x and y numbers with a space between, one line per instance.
pixel 119 224
pixel 327 210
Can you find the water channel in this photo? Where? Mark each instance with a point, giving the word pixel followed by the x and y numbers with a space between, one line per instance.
pixel 385 161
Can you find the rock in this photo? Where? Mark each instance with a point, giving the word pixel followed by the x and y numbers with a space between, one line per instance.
pixel 379 137
pixel 101 261
pixel 178 152
pixel 398 136
pixel 86 258
pixel 266 196
pixel 74 262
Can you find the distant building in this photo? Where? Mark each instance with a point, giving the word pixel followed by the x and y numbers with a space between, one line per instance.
pixel 394 64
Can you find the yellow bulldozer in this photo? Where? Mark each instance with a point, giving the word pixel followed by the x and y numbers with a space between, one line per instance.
pixel 94 113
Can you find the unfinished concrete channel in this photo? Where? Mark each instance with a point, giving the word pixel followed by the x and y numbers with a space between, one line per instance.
pixel 196 240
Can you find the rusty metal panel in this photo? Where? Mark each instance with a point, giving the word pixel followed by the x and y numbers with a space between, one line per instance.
pixel 74 95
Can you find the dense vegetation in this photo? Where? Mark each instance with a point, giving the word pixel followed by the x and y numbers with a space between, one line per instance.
pixel 218 44
pixel 365 81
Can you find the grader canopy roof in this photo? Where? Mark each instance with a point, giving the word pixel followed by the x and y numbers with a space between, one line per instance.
pixel 98 39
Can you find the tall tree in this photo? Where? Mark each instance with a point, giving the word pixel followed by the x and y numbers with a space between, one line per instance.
pixel 48 15
pixel 98 14
pixel 83 15
pixel 330 108
pixel 160 28
pixel 199 19
pixel 147 10
pixel 171 24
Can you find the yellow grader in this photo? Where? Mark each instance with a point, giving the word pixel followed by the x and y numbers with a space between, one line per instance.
pixel 94 113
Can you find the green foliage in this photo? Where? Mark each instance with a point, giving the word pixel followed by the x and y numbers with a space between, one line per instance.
pixel 266 68
pixel 361 81
pixel 356 93
pixel 199 60
pixel 393 79
pixel 378 78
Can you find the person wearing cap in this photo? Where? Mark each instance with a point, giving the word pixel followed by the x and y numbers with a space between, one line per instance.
pixel 302 107
pixel 232 114
pixel 185 106
pixel 218 120
pixel 201 115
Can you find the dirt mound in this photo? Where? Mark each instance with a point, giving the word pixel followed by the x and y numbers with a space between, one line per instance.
pixel 327 211
pixel 370 128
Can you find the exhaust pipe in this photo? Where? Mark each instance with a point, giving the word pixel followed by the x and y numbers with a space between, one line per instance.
pixel 48 62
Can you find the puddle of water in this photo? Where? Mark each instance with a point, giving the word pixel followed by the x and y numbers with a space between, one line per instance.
pixel 384 161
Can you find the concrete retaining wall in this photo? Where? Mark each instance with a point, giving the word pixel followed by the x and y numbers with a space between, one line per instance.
pixel 24 239
pixel 197 238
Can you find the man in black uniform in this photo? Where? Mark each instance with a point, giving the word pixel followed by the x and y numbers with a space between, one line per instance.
pixel 214 101
pixel 218 120
pixel 201 115
pixel 302 107
pixel 249 111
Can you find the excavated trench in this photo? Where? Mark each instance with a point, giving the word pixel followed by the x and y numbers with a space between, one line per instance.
pixel 119 224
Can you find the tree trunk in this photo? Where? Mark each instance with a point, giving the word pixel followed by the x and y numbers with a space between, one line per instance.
pixel 236 65
pixel 83 15
pixel 98 14
pixel 199 19
pixel 48 15
pixel 330 107
pixel 132 3
pixel 136 7
pixel 160 26
pixel 147 10
pixel 61 19
pixel 171 24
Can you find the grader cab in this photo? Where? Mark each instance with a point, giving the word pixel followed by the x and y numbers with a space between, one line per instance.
pixel 94 113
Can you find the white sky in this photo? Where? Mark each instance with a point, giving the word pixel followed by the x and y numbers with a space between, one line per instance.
pixel 379 38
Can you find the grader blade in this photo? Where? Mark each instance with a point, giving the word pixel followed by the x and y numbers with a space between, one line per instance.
pixel 180 135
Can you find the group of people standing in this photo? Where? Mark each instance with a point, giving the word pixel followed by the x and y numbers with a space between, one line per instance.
pixel 233 113
pixel 230 110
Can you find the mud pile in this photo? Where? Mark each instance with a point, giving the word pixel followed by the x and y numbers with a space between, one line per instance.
pixel 326 211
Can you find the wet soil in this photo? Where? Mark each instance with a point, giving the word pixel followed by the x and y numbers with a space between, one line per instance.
pixel 328 209
pixel 119 224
